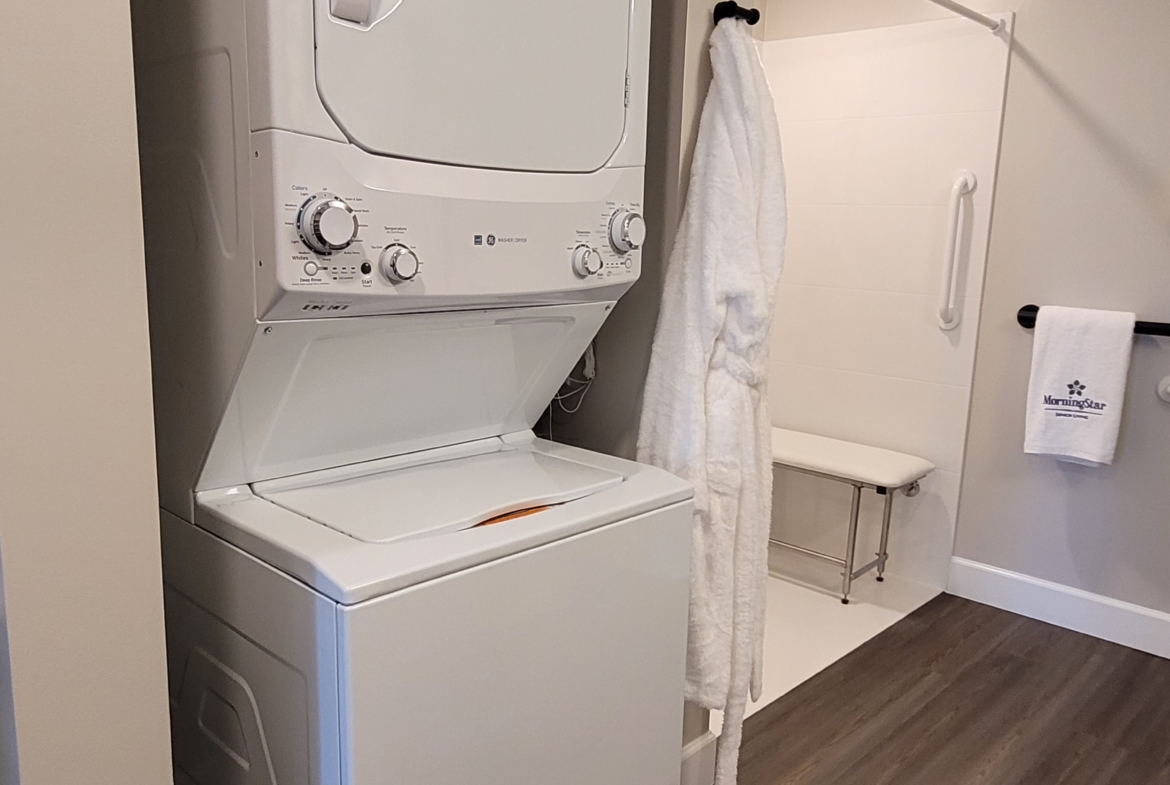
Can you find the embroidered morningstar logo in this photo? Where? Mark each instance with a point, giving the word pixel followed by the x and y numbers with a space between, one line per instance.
pixel 1076 404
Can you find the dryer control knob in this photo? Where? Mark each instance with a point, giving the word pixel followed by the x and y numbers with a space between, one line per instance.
pixel 398 263
pixel 586 261
pixel 327 224
pixel 627 231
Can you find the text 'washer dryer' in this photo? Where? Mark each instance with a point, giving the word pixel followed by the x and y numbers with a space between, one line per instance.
pixel 379 235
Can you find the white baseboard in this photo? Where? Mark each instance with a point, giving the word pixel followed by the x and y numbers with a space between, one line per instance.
pixel 698 766
pixel 1093 614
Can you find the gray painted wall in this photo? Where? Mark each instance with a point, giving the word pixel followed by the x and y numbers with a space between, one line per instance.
pixel 1082 218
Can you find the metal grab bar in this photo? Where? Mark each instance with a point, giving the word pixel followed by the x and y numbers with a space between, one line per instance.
pixel 948 313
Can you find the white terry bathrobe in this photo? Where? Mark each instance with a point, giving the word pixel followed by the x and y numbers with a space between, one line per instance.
pixel 705 411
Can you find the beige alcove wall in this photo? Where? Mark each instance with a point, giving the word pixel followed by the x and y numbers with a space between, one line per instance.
pixel 83 697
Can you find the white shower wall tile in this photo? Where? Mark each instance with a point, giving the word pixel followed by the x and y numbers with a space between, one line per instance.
pixel 923 527
pixel 907 70
pixel 876 125
pixel 885 248
pixel 919 418
pixel 909 160
pixel 879 333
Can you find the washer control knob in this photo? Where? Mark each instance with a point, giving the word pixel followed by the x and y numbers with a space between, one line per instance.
pixel 627 231
pixel 586 261
pixel 327 224
pixel 398 263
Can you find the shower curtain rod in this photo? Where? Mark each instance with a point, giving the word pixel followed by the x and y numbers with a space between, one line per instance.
pixel 994 25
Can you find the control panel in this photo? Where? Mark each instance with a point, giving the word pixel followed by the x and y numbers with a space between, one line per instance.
pixel 406 236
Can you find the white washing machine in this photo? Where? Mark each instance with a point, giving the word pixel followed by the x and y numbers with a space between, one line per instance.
pixel 379 235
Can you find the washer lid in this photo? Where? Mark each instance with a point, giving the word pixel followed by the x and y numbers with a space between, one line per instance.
pixel 437 498
pixel 526 85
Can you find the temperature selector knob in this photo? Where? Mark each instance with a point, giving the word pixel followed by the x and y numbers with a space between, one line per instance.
pixel 398 263
pixel 327 224
pixel 627 231
pixel 586 261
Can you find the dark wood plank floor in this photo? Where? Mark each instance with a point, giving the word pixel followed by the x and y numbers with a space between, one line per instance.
pixel 962 693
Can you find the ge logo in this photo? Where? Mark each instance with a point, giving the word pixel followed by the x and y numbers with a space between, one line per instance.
pixel 491 239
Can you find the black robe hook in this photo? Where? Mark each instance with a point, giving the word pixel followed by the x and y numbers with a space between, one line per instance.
pixel 729 9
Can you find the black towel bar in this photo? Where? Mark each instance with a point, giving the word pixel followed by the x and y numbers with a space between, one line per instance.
pixel 1027 318
pixel 729 9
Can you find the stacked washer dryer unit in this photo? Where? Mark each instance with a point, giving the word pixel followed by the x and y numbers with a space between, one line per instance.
pixel 380 233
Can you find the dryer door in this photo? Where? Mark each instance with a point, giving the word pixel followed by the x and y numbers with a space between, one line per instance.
pixel 526 85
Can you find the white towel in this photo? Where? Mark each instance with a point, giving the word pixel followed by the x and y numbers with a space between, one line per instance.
pixel 1080 359
pixel 705 409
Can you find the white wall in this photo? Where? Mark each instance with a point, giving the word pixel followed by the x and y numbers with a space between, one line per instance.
pixel 796 18
pixel 1082 218
pixel 876 126
pixel 78 506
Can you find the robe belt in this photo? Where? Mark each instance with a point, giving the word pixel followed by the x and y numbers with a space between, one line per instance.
pixel 738 367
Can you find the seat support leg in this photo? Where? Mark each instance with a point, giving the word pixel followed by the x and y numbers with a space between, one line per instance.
pixel 883 549
pixel 851 545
